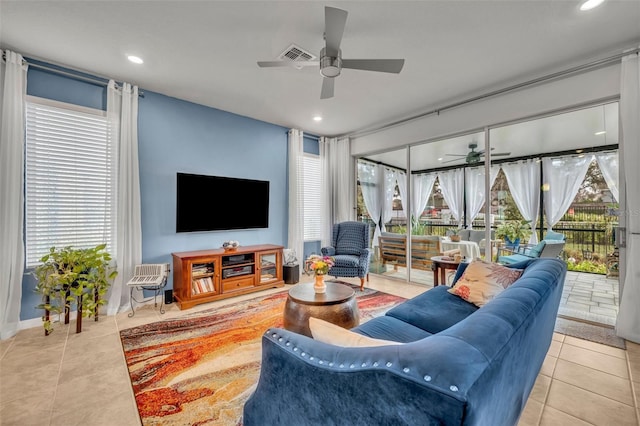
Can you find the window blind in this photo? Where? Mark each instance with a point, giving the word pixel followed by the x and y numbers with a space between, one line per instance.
pixel 312 182
pixel 69 179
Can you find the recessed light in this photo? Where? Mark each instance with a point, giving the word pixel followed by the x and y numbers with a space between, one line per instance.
pixel 135 59
pixel 440 159
pixel 590 4
pixel 579 150
pixel 600 133
pixel 317 118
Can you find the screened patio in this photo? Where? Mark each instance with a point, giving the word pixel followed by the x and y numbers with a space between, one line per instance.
pixel 559 172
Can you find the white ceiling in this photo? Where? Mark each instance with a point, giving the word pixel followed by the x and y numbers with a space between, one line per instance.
pixel 563 132
pixel 206 51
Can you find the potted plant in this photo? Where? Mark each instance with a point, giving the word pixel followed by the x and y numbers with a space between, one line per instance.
pixel 68 273
pixel 513 231
pixel 454 234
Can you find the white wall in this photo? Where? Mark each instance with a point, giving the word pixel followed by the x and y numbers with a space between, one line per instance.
pixel 560 94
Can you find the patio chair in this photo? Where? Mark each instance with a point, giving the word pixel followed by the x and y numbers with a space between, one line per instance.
pixel 554 236
pixel 545 248
pixel 350 249
pixel 551 236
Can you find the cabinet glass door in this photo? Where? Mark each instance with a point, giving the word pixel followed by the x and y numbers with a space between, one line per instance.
pixel 268 267
pixel 203 278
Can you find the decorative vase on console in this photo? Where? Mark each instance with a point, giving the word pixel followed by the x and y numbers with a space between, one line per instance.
pixel 320 266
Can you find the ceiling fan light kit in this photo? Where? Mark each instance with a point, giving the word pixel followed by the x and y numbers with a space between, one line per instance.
pixel 331 62
pixel 330 66
pixel 473 156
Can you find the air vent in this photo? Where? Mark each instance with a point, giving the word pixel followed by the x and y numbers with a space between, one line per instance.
pixel 296 53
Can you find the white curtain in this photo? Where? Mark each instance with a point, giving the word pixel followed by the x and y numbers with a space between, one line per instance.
pixel 13 85
pixel 628 322
pixel 337 184
pixel 452 186
pixel 122 113
pixel 524 183
pixel 387 196
pixel 371 184
pixel 422 187
pixel 401 180
pixel 562 179
pixel 296 193
pixel 475 191
pixel 608 163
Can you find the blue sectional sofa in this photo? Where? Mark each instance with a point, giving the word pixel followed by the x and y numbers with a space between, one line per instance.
pixel 460 365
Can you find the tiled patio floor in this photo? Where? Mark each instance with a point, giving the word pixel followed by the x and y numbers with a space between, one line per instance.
pixel 588 297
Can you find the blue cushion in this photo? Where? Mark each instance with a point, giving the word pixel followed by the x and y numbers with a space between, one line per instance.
pixel 514 258
pixel 346 261
pixel 537 249
pixel 552 235
pixel 434 310
pixel 389 328
pixel 350 238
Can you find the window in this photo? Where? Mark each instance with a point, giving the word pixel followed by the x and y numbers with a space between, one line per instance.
pixel 312 197
pixel 69 178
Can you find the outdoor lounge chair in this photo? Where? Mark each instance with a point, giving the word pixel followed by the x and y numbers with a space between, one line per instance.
pixel 545 248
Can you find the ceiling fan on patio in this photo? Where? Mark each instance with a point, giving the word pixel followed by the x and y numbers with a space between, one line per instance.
pixel 474 156
pixel 331 62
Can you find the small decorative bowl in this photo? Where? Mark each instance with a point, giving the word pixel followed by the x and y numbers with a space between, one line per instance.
pixel 230 245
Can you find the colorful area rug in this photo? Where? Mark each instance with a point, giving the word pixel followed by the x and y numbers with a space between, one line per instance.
pixel 200 369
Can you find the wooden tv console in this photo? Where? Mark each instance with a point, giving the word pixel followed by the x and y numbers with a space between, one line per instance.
pixel 207 275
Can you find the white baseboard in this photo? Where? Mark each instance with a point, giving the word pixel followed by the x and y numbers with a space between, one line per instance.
pixel 30 323
pixel 37 322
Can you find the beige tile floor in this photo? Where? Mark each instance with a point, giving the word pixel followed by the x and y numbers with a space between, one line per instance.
pixel 81 379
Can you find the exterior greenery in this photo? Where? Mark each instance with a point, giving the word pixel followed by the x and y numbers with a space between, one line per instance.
pixel 514 229
pixel 77 272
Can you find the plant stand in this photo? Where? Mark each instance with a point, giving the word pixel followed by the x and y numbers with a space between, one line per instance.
pixel 67 312
pixel 157 290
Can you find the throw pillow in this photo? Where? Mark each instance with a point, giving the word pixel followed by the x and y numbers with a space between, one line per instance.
pixel 482 281
pixel 332 334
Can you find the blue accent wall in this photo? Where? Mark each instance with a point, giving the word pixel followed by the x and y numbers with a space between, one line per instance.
pixel 179 136
pixel 44 84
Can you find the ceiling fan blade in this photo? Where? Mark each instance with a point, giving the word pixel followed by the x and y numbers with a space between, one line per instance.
pixel 294 64
pixel 327 88
pixel 451 161
pixel 456 155
pixel 380 65
pixel 334 22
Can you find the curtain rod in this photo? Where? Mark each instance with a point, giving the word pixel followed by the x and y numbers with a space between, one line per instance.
pixel 572 152
pixel 389 166
pixel 96 81
pixel 573 70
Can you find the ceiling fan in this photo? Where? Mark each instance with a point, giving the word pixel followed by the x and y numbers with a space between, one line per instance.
pixel 473 156
pixel 331 62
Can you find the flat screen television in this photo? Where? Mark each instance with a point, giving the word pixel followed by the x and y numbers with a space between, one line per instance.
pixel 216 203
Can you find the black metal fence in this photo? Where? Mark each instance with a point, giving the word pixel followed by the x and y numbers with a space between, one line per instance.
pixel 589 230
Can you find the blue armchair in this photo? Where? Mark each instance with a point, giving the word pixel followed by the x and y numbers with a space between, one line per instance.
pixel 350 249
